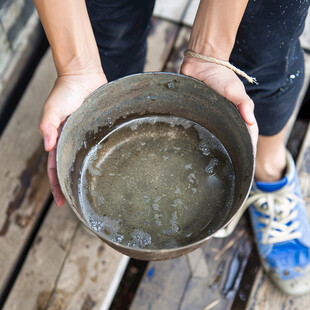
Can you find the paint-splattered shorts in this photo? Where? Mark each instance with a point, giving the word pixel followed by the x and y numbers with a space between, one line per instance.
pixel 267 47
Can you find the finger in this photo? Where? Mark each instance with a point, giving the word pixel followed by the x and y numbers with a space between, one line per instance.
pixel 253 129
pixel 235 92
pixel 52 175
pixel 49 128
pixel 246 109
pixel 50 135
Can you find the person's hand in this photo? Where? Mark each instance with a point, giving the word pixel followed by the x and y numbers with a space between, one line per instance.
pixel 225 82
pixel 66 97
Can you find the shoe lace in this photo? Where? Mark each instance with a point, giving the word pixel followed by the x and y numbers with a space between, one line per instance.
pixel 277 213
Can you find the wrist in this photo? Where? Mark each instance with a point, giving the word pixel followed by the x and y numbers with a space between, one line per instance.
pixel 193 67
pixel 215 27
pixel 77 64
pixel 220 49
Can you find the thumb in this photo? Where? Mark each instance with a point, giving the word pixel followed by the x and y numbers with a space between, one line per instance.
pixel 246 109
pixel 253 129
pixel 49 130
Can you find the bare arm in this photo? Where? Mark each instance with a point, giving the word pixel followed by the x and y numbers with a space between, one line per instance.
pixel 213 34
pixel 215 27
pixel 68 29
pixel 77 61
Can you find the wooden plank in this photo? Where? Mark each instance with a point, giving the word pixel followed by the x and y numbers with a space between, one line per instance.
pixel 44 261
pixel 212 272
pixel 5 49
pixel 176 58
pixel 24 188
pixel 32 35
pixel 190 13
pixel 14 16
pixel 170 9
pixel 89 269
pixel 160 42
pixel 264 294
pixel 218 272
pixel 68 267
pixel 162 285
pixel 305 37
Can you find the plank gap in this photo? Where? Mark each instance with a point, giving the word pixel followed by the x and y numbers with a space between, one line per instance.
pixel 62 264
pixel 22 76
pixel 243 294
pixel 184 292
pixel 129 284
pixel 24 252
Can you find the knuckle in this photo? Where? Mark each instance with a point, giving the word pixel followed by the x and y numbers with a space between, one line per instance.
pixel 229 90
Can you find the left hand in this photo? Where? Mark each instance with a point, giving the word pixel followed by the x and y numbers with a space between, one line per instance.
pixel 225 82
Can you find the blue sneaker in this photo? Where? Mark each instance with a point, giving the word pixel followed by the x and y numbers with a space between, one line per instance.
pixel 282 231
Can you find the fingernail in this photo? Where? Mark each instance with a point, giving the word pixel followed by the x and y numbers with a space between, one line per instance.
pixel 251 118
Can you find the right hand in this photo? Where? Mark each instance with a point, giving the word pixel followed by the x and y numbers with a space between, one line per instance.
pixel 66 97
pixel 225 82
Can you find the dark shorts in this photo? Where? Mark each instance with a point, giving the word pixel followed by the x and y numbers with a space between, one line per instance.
pixel 121 28
pixel 267 47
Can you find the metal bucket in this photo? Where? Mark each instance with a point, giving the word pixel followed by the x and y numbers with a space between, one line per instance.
pixel 158 94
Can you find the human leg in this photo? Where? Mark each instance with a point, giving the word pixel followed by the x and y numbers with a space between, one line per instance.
pixel 271 157
pixel 267 47
pixel 121 29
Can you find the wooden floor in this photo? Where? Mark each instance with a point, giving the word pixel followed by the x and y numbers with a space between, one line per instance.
pixel 49 261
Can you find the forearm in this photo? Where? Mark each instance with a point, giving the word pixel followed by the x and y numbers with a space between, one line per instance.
pixel 215 27
pixel 68 29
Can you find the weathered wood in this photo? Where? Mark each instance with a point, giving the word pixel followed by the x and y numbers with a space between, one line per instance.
pixel 160 42
pixel 190 13
pixel 175 60
pixel 197 264
pixel 305 37
pixel 170 9
pixel 14 64
pixel 264 294
pixel 5 49
pixel 14 16
pixel 88 274
pixel 68 268
pixel 44 261
pixel 162 285
pixel 192 282
pixel 16 25
pixel 218 272
pixel 24 187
